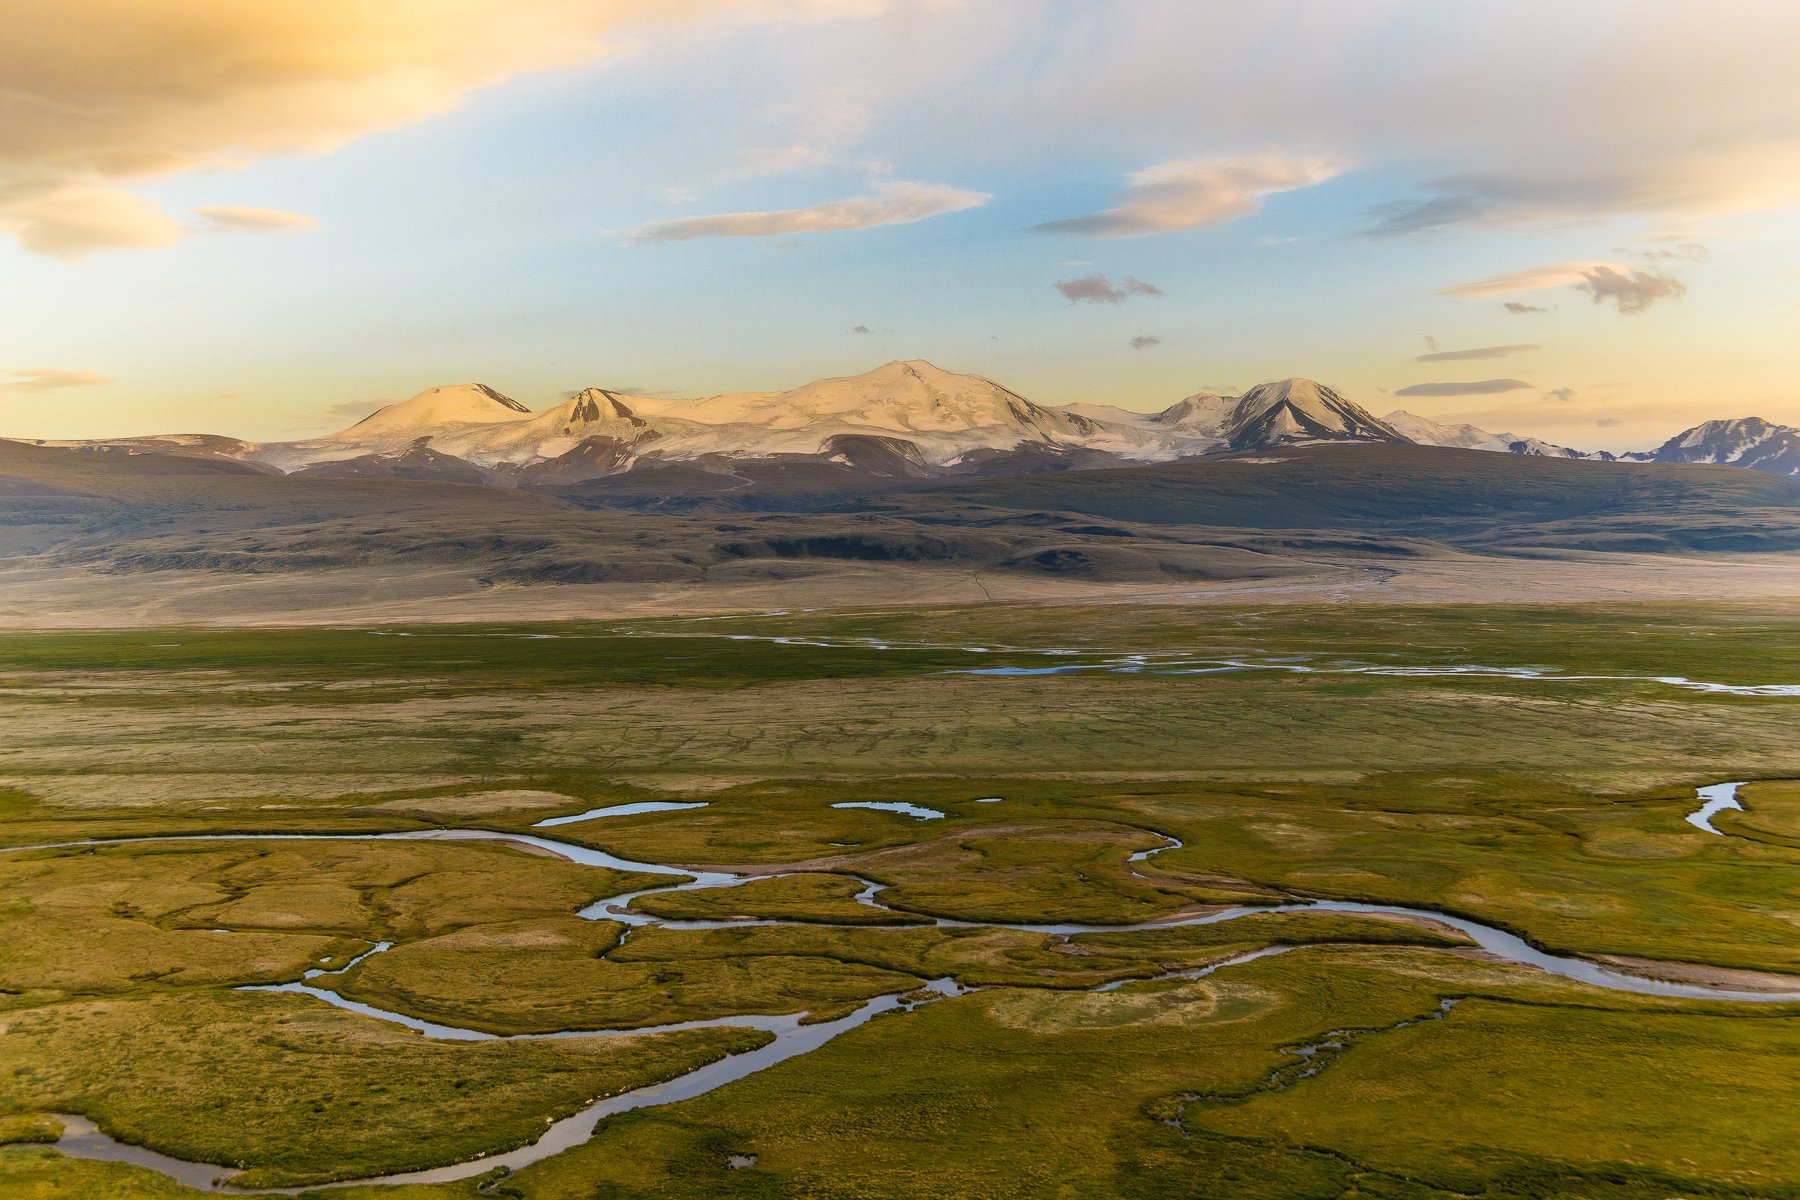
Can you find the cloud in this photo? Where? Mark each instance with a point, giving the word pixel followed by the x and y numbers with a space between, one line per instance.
pixel 1565 274
pixel 1608 422
pixel 1097 289
pixel 1686 252
pixel 102 94
pixel 1562 394
pixel 1174 196
pixel 72 223
pixel 44 379
pixel 220 218
pixel 1660 181
pixel 763 161
pixel 861 329
pixel 1469 355
pixel 1513 306
pixel 1144 341
pixel 1632 292
pixel 1480 387
pixel 891 204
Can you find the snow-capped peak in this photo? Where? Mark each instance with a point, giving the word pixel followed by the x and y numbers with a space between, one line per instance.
pixel 434 408
pixel 1302 410
pixel 1203 413
pixel 906 397
pixel 1427 432
pixel 1741 442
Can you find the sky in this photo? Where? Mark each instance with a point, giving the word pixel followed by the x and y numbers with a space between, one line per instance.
pixel 1574 221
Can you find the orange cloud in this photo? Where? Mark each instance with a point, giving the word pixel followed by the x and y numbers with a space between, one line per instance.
pixel 101 93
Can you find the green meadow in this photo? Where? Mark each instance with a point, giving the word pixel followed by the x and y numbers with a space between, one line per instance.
pixel 1544 794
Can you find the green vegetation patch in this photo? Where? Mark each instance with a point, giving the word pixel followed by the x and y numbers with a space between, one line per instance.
pixel 300 1092
pixel 828 899
pixel 556 973
pixel 120 918
pixel 1023 1093
pixel 1495 1086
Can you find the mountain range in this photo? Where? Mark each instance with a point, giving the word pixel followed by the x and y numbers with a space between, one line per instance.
pixel 899 426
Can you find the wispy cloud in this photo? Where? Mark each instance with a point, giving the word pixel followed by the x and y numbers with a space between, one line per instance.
pixel 1533 279
pixel 1685 252
pixel 1476 353
pixel 1174 196
pixel 1514 306
pixel 1144 341
pixel 1479 387
pixel 217 218
pixel 891 204
pixel 1098 289
pixel 45 379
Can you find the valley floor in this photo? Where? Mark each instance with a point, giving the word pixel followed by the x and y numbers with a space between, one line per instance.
pixel 966 881
pixel 36 596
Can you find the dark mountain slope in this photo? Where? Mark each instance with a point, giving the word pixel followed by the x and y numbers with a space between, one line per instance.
pixel 1463 497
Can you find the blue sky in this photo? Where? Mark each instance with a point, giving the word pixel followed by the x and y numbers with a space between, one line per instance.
pixel 474 191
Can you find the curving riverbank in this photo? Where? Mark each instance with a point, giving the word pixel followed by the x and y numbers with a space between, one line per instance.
pixel 790 1036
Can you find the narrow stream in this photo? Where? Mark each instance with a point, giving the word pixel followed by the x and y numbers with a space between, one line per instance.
pixel 791 1037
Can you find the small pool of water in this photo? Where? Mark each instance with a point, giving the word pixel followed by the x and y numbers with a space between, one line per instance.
pixel 894 806
pixel 1717 798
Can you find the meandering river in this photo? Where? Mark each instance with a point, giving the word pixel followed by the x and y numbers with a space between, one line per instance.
pixel 790 1037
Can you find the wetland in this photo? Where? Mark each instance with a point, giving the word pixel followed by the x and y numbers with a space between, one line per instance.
pixel 800 904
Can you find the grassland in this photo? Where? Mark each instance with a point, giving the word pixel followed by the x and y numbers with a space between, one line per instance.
pixel 1550 806
pixel 1030 1093
pixel 298 1092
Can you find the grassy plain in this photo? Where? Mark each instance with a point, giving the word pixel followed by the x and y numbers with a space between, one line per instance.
pixel 1552 806
pixel 1031 1093
pixel 299 1092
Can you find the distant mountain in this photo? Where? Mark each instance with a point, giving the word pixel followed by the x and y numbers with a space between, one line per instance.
pixel 1300 410
pixel 1427 432
pixel 905 420
pixel 1454 437
pixel 1745 442
pixel 894 428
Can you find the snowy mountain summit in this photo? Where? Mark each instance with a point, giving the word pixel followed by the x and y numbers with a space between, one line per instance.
pixel 1743 442
pixel 934 418
pixel 907 418
pixel 1301 410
